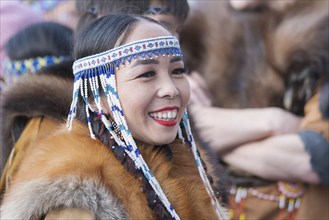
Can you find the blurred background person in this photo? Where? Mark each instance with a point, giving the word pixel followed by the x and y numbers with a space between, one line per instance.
pixel 60 11
pixel 35 47
pixel 263 56
pixel 39 94
pixel 170 13
pixel 14 16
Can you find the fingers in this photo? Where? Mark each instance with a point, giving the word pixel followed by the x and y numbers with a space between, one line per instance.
pixel 199 95
pixel 198 78
pixel 241 5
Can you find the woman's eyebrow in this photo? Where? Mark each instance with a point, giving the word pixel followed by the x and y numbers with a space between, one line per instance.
pixel 176 59
pixel 145 62
pixel 154 61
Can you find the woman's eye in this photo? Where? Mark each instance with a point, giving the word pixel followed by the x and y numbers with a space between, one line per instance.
pixel 147 75
pixel 179 71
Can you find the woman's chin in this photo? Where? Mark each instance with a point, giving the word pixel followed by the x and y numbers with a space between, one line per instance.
pixel 162 140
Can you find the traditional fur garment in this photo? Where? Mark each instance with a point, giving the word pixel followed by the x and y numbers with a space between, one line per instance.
pixel 258 59
pixel 31 96
pixel 71 170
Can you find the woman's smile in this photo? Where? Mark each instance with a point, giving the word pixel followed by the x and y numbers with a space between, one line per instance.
pixel 165 116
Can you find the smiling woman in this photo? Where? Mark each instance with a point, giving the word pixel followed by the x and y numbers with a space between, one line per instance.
pixel 161 93
pixel 141 161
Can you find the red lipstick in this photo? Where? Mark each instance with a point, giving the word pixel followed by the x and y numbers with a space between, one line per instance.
pixel 166 123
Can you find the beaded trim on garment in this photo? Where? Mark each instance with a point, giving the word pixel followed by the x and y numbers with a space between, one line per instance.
pixel 288 197
pixel 33 65
pixel 97 73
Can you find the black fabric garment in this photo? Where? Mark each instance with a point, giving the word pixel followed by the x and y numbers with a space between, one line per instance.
pixel 318 148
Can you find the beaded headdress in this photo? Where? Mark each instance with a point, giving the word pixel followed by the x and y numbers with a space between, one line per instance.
pixel 97 72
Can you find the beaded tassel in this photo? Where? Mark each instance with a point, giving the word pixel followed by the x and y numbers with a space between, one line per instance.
pixel 238 201
pixel 292 207
pixel 288 201
pixel 282 204
pixel 291 194
pixel 214 202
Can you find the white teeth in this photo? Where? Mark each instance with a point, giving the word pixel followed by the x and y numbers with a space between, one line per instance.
pixel 164 115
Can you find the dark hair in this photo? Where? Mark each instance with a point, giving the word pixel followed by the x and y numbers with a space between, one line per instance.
pixel 104 7
pixel 103 34
pixel 41 39
pixel 89 10
pixel 178 8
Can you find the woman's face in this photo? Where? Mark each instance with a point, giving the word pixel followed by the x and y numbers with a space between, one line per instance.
pixel 153 92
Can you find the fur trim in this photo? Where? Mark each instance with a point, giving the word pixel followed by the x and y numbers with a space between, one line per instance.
pixel 180 179
pixel 75 154
pixel 247 58
pixel 30 96
pixel 301 38
pixel 36 198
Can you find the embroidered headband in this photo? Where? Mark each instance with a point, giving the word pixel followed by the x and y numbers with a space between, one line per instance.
pixel 96 73
pixel 20 67
pixel 119 55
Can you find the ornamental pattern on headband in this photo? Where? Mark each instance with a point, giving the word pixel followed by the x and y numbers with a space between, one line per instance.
pixel 147 48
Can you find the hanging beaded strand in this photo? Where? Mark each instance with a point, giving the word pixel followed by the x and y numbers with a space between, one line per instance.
pixel 220 212
pixel 291 194
pixel 101 67
pixel 237 211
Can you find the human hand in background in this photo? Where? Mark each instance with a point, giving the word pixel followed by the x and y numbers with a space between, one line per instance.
pixel 200 95
pixel 281 157
pixel 225 129
pixel 282 121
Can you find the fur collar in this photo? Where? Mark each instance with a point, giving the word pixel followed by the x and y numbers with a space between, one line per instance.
pixel 30 96
pixel 64 156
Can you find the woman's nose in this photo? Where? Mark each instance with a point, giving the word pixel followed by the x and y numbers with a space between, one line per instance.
pixel 167 89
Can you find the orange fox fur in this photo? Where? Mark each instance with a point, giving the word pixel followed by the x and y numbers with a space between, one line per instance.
pixel 76 154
